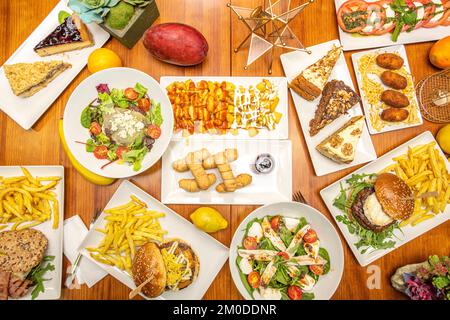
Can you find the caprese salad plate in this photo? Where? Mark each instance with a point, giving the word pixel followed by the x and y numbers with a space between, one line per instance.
pixel 370 24
pixel 286 251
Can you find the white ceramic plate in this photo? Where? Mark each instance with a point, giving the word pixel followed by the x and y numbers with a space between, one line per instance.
pixel 407 233
pixel 329 239
pixel 282 129
pixel 400 49
pixel 55 237
pixel 355 42
pixel 120 78
pixel 275 186
pixel 26 111
pixel 212 254
pixel 293 63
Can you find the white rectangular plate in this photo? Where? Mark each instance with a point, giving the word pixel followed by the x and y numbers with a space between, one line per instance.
pixel 356 42
pixel 400 49
pixel 275 186
pixel 293 63
pixel 55 237
pixel 408 232
pixel 26 111
pixel 212 254
pixel 282 129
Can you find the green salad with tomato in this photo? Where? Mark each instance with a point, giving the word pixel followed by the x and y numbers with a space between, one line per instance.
pixel 123 124
pixel 281 259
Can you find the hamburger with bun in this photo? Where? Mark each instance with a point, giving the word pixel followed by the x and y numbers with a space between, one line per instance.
pixel 374 204
pixel 387 201
pixel 171 265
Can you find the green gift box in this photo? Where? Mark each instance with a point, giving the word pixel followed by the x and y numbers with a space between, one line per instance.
pixel 139 22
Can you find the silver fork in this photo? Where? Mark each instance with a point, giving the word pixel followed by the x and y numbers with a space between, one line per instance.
pixel 298 197
pixel 76 263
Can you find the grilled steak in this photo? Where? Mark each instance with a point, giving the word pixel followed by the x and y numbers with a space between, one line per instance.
pixel 4 284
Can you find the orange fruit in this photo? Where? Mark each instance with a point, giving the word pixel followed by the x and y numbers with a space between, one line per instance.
pixel 103 58
pixel 440 53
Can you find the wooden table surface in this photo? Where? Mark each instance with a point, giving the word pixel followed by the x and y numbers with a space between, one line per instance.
pixel 317 24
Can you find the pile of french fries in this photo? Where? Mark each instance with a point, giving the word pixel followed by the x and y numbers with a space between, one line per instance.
pixel 127 227
pixel 26 202
pixel 424 171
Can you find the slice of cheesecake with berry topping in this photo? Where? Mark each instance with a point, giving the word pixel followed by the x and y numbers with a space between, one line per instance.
pixel 70 35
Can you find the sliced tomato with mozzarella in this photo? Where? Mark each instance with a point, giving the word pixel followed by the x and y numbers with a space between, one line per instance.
pixel 446 20
pixel 376 17
pixel 390 18
pixel 352 15
pixel 439 15
pixel 424 12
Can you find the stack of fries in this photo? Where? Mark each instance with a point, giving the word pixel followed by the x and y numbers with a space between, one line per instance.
pixel 26 202
pixel 128 227
pixel 424 171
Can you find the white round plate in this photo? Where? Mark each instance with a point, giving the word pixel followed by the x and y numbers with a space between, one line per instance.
pixel 329 239
pixel 120 78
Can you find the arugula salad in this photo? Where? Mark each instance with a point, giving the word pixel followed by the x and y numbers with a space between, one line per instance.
pixel 123 124
pixel 281 259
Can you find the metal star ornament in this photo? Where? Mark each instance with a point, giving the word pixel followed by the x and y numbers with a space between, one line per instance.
pixel 269 28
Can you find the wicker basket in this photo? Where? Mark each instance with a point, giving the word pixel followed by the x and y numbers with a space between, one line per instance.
pixel 433 93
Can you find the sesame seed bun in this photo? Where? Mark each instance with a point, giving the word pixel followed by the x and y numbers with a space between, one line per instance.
pixel 148 262
pixel 394 195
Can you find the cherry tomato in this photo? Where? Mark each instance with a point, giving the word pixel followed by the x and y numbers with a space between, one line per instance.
pixel 101 152
pixel 284 255
pixel 95 128
pixel 275 223
pixel 144 104
pixel 295 293
pixel 250 243
pixel 352 15
pixel 310 236
pixel 254 279
pixel 120 151
pixel 316 269
pixel 153 131
pixel 130 94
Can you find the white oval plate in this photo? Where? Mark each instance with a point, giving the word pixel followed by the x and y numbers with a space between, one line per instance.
pixel 85 92
pixel 329 239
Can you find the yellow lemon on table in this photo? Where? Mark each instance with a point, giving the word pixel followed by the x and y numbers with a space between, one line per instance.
pixel 208 219
pixel 443 138
pixel 103 58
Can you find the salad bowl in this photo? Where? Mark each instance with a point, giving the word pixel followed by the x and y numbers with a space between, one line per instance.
pixel 322 288
pixel 118 122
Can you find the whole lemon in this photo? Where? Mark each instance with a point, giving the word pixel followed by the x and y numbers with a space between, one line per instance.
pixel 208 219
pixel 443 138
pixel 103 58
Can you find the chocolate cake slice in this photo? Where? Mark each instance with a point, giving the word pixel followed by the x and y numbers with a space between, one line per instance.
pixel 70 35
pixel 337 99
